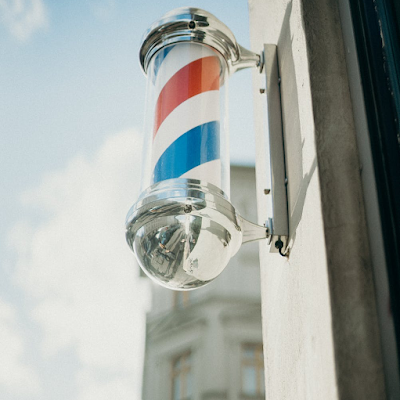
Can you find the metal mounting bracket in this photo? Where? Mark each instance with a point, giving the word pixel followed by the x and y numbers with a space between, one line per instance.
pixel 278 224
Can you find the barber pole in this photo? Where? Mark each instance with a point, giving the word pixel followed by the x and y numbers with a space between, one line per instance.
pixel 183 228
pixel 186 127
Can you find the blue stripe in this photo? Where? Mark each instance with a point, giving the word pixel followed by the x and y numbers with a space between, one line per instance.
pixel 159 58
pixel 193 148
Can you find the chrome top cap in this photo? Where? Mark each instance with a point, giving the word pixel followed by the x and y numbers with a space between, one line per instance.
pixel 189 24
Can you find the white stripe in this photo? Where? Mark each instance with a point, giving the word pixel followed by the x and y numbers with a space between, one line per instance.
pixel 209 172
pixel 182 54
pixel 193 112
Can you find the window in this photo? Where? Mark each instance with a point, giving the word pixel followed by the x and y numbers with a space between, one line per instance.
pixel 182 377
pixel 181 300
pixel 252 370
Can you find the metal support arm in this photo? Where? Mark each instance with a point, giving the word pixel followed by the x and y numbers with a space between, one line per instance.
pixel 278 224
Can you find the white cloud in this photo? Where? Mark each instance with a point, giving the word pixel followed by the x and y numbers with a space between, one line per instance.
pixel 23 17
pixel 119 388
pixel 102 9
pixel 78 268
pixel 16 377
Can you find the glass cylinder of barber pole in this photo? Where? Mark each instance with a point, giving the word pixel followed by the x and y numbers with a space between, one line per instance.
pixel 185 130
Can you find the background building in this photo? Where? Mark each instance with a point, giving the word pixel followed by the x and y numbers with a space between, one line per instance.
pixel 207 344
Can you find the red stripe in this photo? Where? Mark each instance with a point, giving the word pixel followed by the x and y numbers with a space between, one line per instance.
pixel 197 77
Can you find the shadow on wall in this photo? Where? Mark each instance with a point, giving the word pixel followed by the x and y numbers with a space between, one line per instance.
pixel 297 181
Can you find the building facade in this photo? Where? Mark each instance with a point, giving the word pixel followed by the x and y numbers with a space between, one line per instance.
pixel 331 307
pixel 207 344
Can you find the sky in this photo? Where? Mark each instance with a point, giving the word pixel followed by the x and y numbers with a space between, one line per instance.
pixel 72 305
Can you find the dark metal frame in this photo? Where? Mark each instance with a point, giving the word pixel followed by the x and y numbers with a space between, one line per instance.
pixel 376 26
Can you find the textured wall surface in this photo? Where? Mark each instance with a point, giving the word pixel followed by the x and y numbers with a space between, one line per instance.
pixel 319 315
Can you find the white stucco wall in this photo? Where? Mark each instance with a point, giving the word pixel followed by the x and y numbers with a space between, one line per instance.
pixel 297 327
pixel 321 339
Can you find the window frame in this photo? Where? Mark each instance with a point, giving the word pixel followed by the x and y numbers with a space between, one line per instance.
pixel 181 299
pixel 186 368
pixel 258 364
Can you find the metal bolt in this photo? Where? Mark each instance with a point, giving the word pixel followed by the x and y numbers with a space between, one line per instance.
pixel 192 25
pixel 267 191
pixel 262 90
pixel 188 208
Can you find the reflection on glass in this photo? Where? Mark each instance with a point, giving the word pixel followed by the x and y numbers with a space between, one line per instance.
pixel 174 250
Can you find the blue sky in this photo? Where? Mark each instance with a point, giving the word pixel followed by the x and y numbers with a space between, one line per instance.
pixel 71 111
